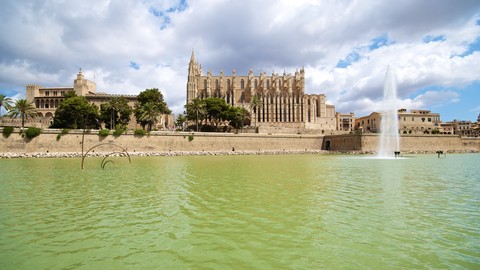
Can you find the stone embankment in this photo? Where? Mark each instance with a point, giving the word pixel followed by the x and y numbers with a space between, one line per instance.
pixel 157 154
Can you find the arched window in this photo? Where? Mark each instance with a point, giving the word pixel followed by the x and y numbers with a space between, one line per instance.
pixel 228 84
pixel 268 84
pixel 216 84
pixel 242 84
pixel 204 84
pixel 256 83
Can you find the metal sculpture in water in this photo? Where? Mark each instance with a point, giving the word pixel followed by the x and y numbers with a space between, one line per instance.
pixel 105 160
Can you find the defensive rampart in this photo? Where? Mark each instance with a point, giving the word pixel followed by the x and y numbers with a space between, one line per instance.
pixel 368 143
pixel 52 141
pixel 158 142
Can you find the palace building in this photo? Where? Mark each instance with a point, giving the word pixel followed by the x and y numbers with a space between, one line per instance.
pixel 284 103
pixel 47 100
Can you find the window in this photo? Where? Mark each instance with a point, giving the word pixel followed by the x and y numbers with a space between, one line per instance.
pixel 256 83
pixel 47 93
pixel 55 93
pixel 423 119
pixel 429 119
pixel 242 84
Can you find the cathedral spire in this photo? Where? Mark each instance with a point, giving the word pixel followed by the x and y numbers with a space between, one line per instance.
pixel 192 58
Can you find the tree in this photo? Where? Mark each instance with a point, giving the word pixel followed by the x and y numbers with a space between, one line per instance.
pixel 180 121
pixel 115 111
pixel 76 112
pixel 196 110
pixel 5 102
pixel 157 106
pixel 215 107
pixel 148 114
pixel 236 116
pixel 24 109
pixel 255 107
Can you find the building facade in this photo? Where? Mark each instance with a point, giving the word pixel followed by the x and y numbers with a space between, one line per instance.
pixel 283 99
pixel 412 122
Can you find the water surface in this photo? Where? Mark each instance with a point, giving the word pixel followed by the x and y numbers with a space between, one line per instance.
pixel 241 212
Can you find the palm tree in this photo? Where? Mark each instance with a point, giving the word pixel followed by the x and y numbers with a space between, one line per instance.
pixel 149 113
pixel 5 102
pixel 24 109
pixel 255 106
pixel 195 109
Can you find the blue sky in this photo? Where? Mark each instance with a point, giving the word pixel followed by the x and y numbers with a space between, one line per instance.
pixel 127 46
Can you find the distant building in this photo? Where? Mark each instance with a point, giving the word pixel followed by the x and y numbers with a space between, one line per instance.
pixel 413 122
pixel 463 128
pixel 284 103
pixel 345 122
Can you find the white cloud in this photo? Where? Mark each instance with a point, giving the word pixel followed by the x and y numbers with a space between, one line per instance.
pixel 46 42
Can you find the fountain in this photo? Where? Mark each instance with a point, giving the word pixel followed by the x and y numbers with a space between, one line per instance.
pixel 389 138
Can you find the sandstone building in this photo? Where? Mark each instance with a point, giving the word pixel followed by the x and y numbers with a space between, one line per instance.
pixel 284 103
pixel 47 100
pixel 414 121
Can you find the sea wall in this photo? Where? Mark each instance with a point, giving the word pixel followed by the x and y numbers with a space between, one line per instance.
pixel 182 143
pixel 47 142
pixel 368 143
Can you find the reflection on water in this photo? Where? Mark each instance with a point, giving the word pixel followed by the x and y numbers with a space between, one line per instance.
pixel 241 212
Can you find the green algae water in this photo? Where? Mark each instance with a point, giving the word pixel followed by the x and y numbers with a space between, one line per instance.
pixel 241 212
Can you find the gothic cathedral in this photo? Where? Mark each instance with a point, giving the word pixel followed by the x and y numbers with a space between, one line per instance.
pixel 283 102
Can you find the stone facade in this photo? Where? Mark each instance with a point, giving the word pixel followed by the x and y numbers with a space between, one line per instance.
pixel 160 141
pixel 413 122
pixel 283 99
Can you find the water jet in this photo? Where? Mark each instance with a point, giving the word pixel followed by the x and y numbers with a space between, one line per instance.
pixel 389 138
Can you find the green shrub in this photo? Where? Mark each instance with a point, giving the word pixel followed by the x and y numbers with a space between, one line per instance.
pixel 118 132
pixel 63 132
pixel 32 132
pixel 139 132
pixel 7 131
pixel 119 129
pixel 190 138
pixel 104 132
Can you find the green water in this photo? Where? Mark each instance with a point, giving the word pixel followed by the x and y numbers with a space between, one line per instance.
pixel 241 212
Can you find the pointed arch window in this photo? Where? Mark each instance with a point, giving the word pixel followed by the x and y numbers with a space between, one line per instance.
pixel 242 84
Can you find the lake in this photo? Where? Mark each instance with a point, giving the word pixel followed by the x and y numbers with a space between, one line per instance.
pixel 241 212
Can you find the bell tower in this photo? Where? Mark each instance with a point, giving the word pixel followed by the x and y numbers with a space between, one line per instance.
pixel 193 72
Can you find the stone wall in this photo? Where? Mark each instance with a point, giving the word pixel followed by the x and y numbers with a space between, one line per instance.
pixel 162 141
pixel 408 143
pixel 159 142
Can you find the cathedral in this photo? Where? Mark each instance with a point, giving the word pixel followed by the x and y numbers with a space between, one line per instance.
pixel 283 102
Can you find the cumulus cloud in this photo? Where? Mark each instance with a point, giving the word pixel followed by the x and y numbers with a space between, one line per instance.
pixel 345 47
